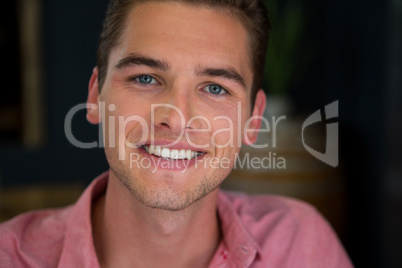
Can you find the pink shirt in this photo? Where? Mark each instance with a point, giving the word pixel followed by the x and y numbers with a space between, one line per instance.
pixel 258 231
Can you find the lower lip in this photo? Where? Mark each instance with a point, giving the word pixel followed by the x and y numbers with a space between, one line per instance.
pixel 173 165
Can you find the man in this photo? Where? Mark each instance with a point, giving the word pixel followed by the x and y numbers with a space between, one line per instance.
pixel 177 89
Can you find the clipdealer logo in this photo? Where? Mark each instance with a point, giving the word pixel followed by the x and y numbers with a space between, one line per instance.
pixel 331 155
pixel 329 115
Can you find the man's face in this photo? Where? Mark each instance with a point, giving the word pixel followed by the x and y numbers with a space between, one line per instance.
pixel 176 98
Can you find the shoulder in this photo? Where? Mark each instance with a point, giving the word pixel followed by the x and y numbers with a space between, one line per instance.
pixel 33 236
pixel 255 206
pixel 271 215
pixel 291 228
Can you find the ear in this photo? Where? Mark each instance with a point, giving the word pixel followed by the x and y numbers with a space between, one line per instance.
pixel 93 115
pixel 254 122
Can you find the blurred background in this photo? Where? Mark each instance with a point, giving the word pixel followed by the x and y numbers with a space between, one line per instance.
pixel 320 52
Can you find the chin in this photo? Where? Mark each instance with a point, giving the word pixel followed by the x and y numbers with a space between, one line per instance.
pixel 166 195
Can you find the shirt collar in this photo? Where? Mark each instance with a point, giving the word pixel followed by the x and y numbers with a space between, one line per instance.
pixel 238 246
pixel 78 249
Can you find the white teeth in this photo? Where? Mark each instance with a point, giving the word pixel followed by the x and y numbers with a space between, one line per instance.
pixel 157 151
pixel 182 154
pixel 188 154
pixel 173 154
pixel 165 152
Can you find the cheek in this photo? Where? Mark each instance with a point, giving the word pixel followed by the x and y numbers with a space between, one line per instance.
pixel 228 129
pixel 125 122
pixel 224 133
pixel 133 128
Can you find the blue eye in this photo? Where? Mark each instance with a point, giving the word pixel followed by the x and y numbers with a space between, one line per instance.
pixel 146 79
pixel 215 89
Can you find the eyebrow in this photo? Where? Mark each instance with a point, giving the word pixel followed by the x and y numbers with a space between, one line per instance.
pixel 230 74
pixel 135 60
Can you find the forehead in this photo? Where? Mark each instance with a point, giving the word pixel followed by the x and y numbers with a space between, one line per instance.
pixel 191 35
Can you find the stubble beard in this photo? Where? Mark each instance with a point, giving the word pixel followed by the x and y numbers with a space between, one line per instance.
pixel 165 199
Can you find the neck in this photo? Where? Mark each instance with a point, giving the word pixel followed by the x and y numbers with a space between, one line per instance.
pixel 128 233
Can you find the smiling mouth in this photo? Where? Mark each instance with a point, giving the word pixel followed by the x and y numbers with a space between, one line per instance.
pixel 171 154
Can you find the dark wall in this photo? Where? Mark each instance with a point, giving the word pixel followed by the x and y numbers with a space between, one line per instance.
pixel 356 64
pixel 361 66
pixel 70 32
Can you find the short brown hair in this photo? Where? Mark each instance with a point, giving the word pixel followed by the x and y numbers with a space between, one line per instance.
pixel 252 13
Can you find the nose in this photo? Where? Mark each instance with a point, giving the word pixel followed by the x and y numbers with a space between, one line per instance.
pixel 174 111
